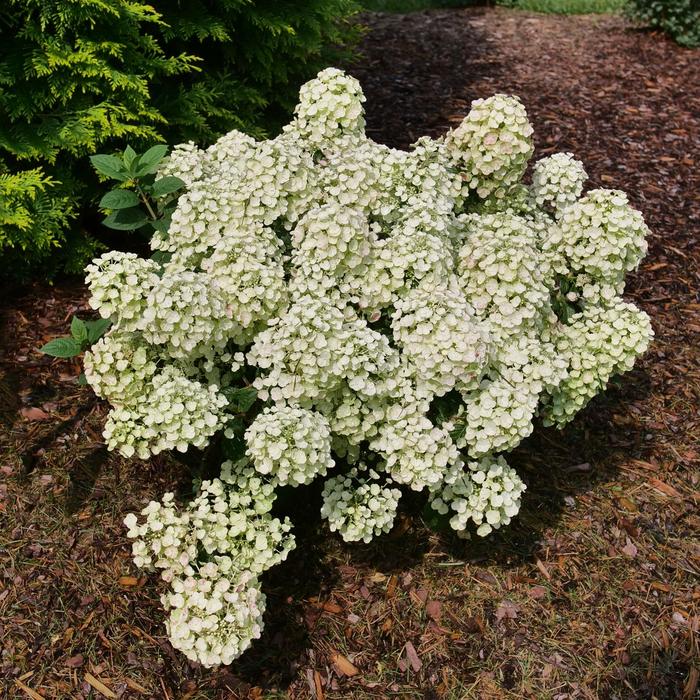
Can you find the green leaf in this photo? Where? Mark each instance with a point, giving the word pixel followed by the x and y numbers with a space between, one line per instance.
pixel 119 199
pixel 126 219
pixel 129 157
pixel 150 160
pixel 234 448
pixel 162 225
pixel 167 185
pixel 110 166
pixel 82 379
pixel 61 347
pixel 96 329
pixel 240 399
pixel 161 257
pixel 78 330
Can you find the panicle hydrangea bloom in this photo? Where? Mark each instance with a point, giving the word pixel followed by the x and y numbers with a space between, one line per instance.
pixel 600 239
pixel 330 242
pixel 327 303
pixel 492 145
pixel 488 494
pixel 119 283
pixel 215 601
pixel 215 612
pixel 502 273
pixel 119 367
pixel 165 540
pixel 329 106
pixel 600 342
pixel 174 413
pixel 436 331
pixel 359 507
pixel 292 444
pixel 187 313
pixel 557 182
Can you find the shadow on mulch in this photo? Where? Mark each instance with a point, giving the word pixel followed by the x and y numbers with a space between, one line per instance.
pixel 417 76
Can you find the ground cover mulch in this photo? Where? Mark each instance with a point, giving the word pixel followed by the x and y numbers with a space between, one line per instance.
pixel 592 593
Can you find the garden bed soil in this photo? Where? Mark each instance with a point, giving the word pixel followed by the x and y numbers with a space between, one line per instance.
pixel 592 592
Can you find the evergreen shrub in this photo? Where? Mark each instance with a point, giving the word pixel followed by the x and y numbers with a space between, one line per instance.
pixel 78 77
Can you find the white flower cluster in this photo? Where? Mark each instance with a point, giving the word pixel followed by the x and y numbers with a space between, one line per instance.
pixel 173 413
pixel 492 145
pixel 437 334
pixel 600 239
pixel 212 553
pixel 118 283
pixel 326 303
pixel 359 507
pixel 557 181
pixel 600 342
pixel 290 443
pixel 488 494
pixel 502 273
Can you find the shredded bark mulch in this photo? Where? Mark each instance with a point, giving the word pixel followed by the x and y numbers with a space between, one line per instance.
pixel 593 592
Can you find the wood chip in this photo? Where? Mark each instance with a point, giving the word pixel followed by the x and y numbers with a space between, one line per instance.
pixel 99 686
pixel 318 687
pixel 135 686
pixel 544 570
pixel 413 658
pixel 664 488
pixel 342 665
pixel 128 581
pixel 28 691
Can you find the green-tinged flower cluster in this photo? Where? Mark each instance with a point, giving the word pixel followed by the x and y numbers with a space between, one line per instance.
pixel 211 553
pixel 328 307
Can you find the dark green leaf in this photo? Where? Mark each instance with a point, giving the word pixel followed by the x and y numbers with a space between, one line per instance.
pixel 162 225
pixel 234 448
pixel 119 199
pixel 129 157
pixel 240 399
pixel 78 330
pixel 161 257
pixel 61 347
pixel 126 219
pixel 167 185
pixel 96 329
pixel 110 166
pixel 82 379
pixel 150 160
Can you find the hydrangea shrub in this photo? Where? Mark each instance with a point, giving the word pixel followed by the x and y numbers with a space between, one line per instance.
pixel 326 307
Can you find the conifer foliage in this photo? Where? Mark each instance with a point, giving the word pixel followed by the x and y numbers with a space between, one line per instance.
pixel 78 77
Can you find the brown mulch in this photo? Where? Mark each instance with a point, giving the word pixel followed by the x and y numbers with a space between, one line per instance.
pixel 592 593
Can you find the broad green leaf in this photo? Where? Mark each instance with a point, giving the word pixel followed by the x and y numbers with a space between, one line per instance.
pixel 61 347
pixel 150 160
pixel 129 157
pixel 240 399
pixel 119 199
pixel 111 166
pixel 126 219
pixel 161 256
pixel 167 185
pixel 78 330
pixel 162 225
pixel 96 329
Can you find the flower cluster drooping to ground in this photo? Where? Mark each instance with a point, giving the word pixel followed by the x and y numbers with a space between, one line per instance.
pixel 326 307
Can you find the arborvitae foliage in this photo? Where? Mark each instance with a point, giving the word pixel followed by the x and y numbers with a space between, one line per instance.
pixel 78 77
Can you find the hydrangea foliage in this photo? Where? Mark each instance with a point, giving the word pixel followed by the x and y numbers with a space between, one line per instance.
pixel 325 307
